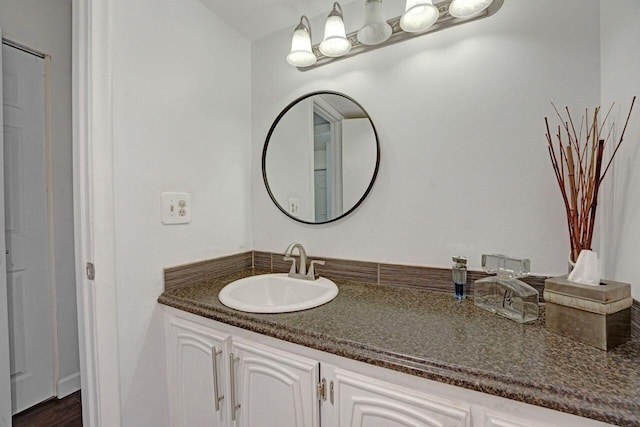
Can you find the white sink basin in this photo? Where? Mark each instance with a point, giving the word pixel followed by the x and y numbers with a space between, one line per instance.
pixel 277 293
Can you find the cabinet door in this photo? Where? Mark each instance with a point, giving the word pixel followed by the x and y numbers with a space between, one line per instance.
pixel 196 364
pixel 274 388
pixel 365 402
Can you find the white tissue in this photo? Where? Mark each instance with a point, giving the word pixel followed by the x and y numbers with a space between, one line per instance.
pixel 587 269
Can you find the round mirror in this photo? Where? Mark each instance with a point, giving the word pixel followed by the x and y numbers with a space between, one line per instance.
pixel 321 157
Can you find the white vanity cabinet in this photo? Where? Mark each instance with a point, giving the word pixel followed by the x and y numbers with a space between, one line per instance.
pixel 260 381
pixel 366 402
pixel 196 374
pixel 253 384
pixel 502 420
pixel 273 387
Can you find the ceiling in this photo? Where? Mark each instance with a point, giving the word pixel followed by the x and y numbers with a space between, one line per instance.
pixel 255 19
pixel 345 106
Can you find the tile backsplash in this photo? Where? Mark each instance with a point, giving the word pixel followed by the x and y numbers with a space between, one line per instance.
pixel 432 278
pixel 189 274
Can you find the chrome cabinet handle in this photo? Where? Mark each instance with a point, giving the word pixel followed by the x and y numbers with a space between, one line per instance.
pixel 234 406
pixel 214 361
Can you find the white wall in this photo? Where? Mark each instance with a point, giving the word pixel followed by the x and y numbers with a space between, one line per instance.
pixel 620 82
pixel 181 112
pixel 45 26
pixel 464 167
pixel 358 159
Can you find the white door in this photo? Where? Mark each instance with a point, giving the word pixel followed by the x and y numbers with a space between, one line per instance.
pixel 273 388
pixel 29 293
pixel 196 358
pixel 5 378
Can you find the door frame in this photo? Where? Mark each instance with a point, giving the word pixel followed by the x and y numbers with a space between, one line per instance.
pixel 5 363
pixel 94 213
pixel 334 154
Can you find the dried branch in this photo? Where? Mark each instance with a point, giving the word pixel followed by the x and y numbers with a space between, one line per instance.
pixel 594 203
pixel 577 165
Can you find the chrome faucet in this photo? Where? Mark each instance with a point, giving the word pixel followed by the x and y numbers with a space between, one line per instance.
pixel 300 273
pixel 303 258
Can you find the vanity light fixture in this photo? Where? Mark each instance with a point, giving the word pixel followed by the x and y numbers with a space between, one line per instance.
pixel 468 8
pixel 335 41
pixel 301 54
pixel 375 29
pixel 420 17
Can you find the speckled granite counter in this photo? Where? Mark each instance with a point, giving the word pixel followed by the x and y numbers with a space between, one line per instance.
pixel 431 335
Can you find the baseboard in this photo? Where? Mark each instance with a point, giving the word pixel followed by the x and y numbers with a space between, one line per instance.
pixel 69 384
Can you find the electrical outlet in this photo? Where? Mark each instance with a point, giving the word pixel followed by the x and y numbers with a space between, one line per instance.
pixel 176 208
pixel 294 206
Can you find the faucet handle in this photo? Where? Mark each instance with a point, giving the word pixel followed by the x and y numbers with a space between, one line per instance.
pixel 292 270
pixel 312 270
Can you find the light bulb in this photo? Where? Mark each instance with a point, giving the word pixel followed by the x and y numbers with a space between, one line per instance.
pixel 301 54
pixel 468 8
pixel 375 29
pixel 335 41
pixel 419 15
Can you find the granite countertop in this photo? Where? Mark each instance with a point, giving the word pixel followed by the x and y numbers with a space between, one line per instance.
pixel 431 335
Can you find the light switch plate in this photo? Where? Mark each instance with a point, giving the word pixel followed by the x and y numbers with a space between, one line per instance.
pixel 176 208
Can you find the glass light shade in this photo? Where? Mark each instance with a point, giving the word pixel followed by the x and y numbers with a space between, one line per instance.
pixel 419 15
pixel 335 41
pixel 375 29
pixel 468 8
pixel 301 54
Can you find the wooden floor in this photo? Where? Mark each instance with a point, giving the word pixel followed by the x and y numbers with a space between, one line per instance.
pixel 65 412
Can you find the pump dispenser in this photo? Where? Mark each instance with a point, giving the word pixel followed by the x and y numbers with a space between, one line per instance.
pixel 459 272
pixel 504 294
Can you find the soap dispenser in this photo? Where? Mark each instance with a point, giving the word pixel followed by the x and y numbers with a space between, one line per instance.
pixel 503 293
pixel 459 272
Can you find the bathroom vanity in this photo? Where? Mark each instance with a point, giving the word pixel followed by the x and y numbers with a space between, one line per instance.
pixel 384 356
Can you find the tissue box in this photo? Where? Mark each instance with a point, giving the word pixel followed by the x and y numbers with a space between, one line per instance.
pixel 596 315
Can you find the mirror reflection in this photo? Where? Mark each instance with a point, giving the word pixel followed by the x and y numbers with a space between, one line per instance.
pixel 320 158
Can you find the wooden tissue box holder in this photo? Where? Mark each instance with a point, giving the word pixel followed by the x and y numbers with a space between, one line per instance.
pixel 596 315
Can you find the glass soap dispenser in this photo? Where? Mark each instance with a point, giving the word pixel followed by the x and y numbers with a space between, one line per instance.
pixel 504 294
pixel 459 272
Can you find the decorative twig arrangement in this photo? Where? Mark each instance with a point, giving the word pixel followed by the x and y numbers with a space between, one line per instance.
pixel 577 161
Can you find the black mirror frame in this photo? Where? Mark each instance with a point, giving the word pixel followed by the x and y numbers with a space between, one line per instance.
pixel 266 145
